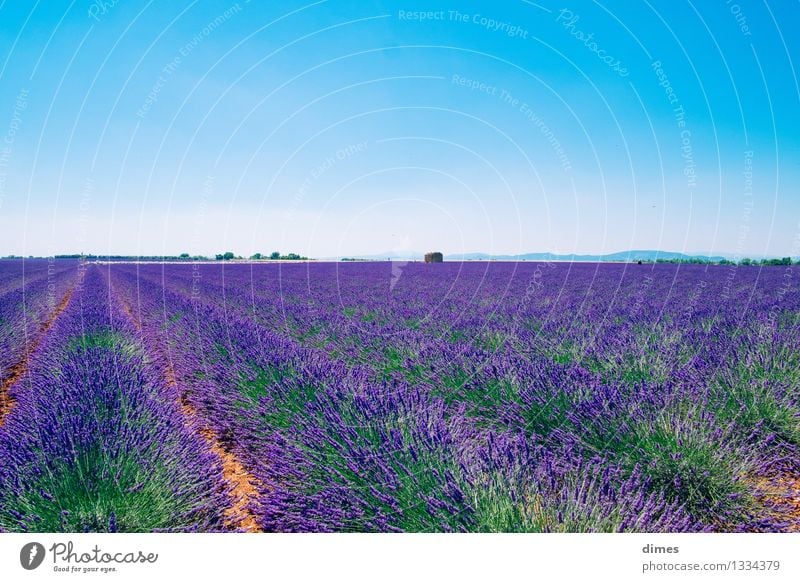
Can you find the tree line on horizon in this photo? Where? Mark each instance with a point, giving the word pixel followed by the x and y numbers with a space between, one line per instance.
pixel 277 256
pixel 226 256
pixel 782 262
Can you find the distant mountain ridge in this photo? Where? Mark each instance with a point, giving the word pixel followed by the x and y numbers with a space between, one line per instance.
pixel 622 256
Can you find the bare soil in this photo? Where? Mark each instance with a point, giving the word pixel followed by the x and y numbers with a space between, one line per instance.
pixel 780 496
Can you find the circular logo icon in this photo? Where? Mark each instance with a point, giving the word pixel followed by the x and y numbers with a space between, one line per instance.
pixel 31 555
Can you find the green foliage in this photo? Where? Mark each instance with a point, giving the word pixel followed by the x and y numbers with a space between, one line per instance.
pixel 87 496
pixel 256 387
pixel 783 262
pixel 276 256
pixel 761 396
pixel 418 473
pixel 110 340
pixel 685 458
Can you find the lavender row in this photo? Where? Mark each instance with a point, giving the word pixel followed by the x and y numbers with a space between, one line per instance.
pixel 96 441
pixel 33 297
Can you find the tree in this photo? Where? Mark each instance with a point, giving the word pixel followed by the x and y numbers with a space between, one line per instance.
pixel 275 256
pixel 219 257
pixel 228 256
pixel 784 262
pixel 184 255
pixel 257 256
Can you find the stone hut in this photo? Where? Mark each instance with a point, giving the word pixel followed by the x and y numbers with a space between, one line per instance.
pixel 434 258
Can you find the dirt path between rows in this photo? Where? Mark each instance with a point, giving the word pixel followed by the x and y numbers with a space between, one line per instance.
pixel 243 485
pixel 21 367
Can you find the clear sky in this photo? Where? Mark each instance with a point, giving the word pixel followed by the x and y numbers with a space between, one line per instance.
pixel 356 127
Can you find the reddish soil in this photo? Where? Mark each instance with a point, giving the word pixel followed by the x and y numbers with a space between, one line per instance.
pixel 129 312
pixel 21 367
pixel 780 496
pixel 244 487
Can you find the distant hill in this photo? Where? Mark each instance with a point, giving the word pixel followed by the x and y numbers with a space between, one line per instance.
pixel 394 255
pixel 623 257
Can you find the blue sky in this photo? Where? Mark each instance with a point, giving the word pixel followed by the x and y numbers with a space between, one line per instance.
pixel 356 127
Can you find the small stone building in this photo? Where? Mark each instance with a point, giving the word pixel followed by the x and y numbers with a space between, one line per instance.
pixel 434 258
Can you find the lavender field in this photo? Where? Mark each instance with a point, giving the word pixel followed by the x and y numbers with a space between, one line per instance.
pixel 384 397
